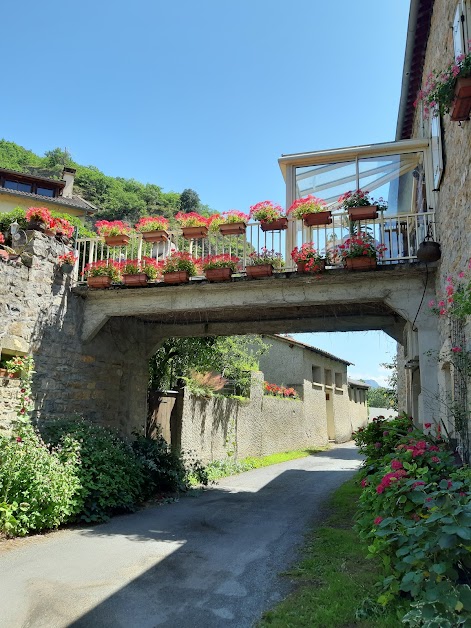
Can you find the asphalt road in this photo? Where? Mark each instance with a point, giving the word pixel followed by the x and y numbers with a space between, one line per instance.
pixel 210 561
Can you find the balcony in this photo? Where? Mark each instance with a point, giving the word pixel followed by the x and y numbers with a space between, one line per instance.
pixel 398 172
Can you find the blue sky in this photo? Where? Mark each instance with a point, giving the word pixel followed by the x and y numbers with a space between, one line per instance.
pixel 205 95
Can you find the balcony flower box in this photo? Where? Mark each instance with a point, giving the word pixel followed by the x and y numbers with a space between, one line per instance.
pixel 319 219
pixel 219 267
pixel 114 232
pixel 157 235
pixel 177 276
pixel 260 270
pixel 153 228
pixel 233 228
pixel 99 282
pixel 139 279
pixel 303 267
pixel 118 240
pixel 313 211
pixel 192 233
pixel 360 263
pixel 461 107
pixel 218 274
pixel 364 212
pixel 276 225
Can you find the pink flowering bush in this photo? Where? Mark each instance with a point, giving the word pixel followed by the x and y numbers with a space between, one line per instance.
pixel 192 219
pixel 266 211
pixel 233 216
pixel 152 223
pixel 362 245
pixel 439 91
pixel 360 198
pixel 40 214
pixel 307 205
pixel 113 228
pixel 415 515
pixel 280 391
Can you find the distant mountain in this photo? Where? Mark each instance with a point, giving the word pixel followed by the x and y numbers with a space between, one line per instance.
pixel 372 383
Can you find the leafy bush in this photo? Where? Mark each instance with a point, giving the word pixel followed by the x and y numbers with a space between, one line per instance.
pixel 37 485
pixel 111 476
pixel 19 213
pixel 415 513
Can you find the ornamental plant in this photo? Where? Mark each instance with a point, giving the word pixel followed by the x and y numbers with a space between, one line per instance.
pixel 61 226
pixel 67 258
pixel 214 221
pixel 307 205
pixel 40 214
pixel 280 391
pixel 266 257
pixel 191 219
pixel 223 260
pixel 152 223
pixel 233 216
pixel 20 364
pixel 360 198
pixel 456 302
pixel 103 268
pixel 266 211
pixel 438 93
pixel 310 256
pixel 362 245
pixel 146 265
pixel 113 228
pixel 180 261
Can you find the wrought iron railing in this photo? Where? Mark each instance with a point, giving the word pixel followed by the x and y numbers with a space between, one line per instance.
pixel 401 234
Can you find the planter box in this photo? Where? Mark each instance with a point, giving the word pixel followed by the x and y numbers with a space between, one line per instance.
pixel 277 225
pixel 218 274
pixel 365 212
pixel 301 267
pixel 191 233
pixel 261 270
pixel 5 373
pixel 157 235
pixel 99 282
pixel 360 263
pixel 462 104
pixel 320 218
pixel 233 228
pixel 135 280
pixel 118 240
pixel 179 276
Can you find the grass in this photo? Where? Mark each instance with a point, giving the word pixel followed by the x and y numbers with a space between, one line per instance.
pixel 334 578
pixel 222 468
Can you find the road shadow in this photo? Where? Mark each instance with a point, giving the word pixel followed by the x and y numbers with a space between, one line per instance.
pixel 215 558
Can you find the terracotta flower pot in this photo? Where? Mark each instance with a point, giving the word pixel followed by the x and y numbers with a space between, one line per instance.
pixel 364 212
pixel 301 266
pixel 320 218
pixel 179 276
pixel 118 240
pixel 157 235
pixel 191 233
pixel 277 225
pixel 218 274
pixel 99 282
pixel 233 228
pixel 360 263
pixel 462 104
pixel 140 279
pixel 260 270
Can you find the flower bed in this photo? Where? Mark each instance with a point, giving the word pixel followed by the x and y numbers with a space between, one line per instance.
pixel 280 391
pixel 415 514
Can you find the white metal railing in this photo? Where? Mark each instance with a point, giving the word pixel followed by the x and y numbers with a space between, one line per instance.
pixel 400 233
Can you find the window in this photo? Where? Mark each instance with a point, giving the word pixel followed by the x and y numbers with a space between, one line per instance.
pixel 44 191
pixel 338 380
pixel 461 27
pixel 316 377
pixel 16 185
pixel 328 378
pixel 436 150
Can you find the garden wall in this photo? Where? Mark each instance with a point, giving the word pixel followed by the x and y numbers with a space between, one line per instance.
pixel 40 315
pixel 217 428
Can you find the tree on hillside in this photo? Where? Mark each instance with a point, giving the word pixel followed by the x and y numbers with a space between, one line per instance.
pixel 379 398
pixel 392 391
pixel 189 201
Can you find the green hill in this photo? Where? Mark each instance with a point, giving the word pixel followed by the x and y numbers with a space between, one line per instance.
pixel 117 198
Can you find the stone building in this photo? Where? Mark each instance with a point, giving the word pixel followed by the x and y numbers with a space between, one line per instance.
pixel 321 380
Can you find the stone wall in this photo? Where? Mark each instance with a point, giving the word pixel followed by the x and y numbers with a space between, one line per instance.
pixel 452 201
pixel 218 428
pixel 40 315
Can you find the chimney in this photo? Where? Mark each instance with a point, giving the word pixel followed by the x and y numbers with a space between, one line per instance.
pixel 68 175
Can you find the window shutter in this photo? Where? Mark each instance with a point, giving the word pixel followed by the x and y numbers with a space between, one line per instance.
pixel 458 30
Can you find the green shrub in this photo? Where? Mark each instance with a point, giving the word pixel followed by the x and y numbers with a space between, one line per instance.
pixel 111 476
pixel 37 486
pixel 166 470
pixel 381 436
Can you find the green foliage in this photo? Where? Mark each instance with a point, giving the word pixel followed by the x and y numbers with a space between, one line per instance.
pixel 16 157
pixel 234 357
pixel 17 214
pixel 378 397
pixel 111 476
pixel 415 514
pixel 164 469
pixel 37 485
pixel 189 201
pixel 83 230
pixel 381 436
